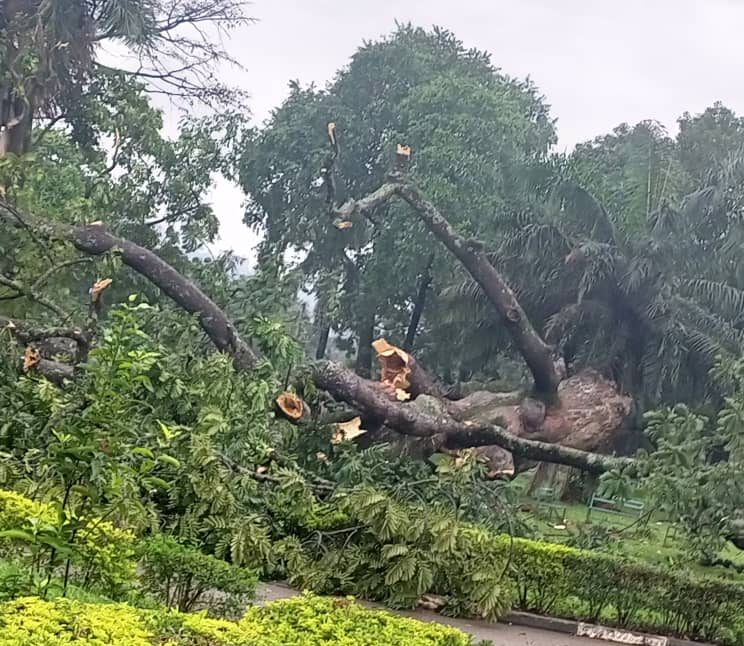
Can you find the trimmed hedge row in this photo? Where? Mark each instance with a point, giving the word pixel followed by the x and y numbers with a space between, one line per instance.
pixel 303 621
pixel 480 573
pixel 593 586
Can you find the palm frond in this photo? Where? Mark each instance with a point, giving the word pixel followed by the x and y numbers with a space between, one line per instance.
pixel 725 299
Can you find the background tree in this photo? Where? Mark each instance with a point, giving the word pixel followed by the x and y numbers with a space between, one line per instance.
pixel 50 55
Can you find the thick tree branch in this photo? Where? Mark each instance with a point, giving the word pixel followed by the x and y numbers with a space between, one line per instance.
pixel 28 332
pixel 55 371
pixel 96 240
pixel 537 354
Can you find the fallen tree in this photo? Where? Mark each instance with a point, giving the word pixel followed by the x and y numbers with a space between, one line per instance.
pixel 568 421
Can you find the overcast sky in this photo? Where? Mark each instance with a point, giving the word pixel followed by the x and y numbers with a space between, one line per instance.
pixel 598 62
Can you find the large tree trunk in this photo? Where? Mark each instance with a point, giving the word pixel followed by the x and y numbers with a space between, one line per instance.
pixel 427 418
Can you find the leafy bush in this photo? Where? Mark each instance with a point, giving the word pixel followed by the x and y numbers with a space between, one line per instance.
pixel 391 552
pixel 181 577
pixel 304 621
pixel 96 552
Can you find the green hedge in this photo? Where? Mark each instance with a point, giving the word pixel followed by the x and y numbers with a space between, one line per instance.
pixel 593 586
pixel 303 621
pixel 184 578
pixel 399 553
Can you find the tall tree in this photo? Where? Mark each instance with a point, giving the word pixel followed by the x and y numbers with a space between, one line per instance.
pixel 472 128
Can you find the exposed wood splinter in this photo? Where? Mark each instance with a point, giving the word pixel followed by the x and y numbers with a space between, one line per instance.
pixel 395 367
pixel 31 359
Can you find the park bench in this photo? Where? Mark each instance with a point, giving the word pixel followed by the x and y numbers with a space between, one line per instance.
pixel 627 507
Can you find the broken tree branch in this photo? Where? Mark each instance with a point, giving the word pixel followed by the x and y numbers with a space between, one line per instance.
pixel 537 354
pixel 28 332
pixel 95 240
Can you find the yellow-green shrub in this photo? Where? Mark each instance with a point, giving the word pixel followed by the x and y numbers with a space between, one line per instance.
pixel 32 622
pixel 17 510
pixel 101 553
pixel 304 621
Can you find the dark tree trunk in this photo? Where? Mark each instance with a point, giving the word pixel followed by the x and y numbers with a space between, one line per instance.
pixel 365 336
pixel 418 306
pixel 320 350
pixel 15 125
pixel 323 327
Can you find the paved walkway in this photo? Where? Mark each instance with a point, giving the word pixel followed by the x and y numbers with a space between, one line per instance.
pixel 499 634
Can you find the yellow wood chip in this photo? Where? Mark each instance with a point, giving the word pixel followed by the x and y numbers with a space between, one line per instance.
pixel 99 287
pixel 348 430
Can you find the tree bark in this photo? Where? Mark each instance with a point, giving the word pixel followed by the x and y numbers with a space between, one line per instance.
pixel 320 350
pixel 372 399
pixel 324 329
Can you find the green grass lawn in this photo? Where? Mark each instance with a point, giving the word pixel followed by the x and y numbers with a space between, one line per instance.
pixel 652 541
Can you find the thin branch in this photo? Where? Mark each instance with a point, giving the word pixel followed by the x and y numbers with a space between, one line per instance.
pixel 41 281
pixel 53 121
pixel 21 289
pixel 15 214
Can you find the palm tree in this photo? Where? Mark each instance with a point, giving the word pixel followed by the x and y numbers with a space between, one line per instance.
pixel 652 306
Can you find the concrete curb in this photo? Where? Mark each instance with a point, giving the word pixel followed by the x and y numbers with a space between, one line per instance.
pixel 593 631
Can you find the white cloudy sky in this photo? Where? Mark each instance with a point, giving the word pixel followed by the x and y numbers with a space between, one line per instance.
pixel 599 62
